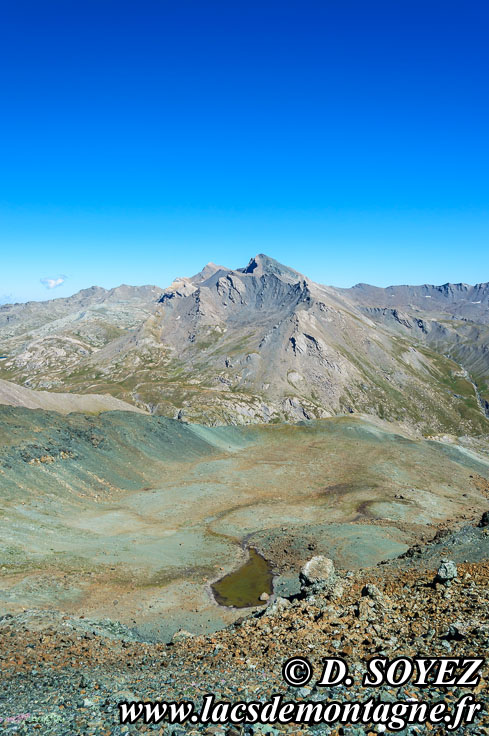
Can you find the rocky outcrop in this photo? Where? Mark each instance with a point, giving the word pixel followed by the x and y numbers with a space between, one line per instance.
pixel 446 572
pixel 318 570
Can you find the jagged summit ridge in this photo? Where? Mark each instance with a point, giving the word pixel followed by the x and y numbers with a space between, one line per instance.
pixel 446 294
pixel 263 343
pixel 208 271
pixel 262 264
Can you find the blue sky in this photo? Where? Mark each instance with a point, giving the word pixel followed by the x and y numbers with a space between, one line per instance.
pixel 139 140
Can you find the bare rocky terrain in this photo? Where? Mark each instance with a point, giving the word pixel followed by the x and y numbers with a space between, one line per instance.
pixel 13 395
pixel 263 343
pixel 64 674
pixel 132 517
pixel 171 458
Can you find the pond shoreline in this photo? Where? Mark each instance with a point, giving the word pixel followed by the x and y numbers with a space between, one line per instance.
pixel 242 588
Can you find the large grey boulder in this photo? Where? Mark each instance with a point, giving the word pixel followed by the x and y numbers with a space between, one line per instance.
pixel 446 572
pixel 318 569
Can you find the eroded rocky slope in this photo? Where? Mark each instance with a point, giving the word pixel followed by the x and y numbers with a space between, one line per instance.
pixel 133 516
pixel 263 344
pixel 13 395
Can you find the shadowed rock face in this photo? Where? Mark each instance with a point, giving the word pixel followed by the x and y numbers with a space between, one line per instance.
pixel 263 343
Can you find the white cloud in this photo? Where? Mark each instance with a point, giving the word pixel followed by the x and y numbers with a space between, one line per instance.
pixel 53 283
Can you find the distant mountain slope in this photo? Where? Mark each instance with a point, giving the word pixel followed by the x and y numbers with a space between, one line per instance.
pixel 453 319
pixel 456 300
pixel 13 395
pixel 42 341
pixel 262 343
pixel 124 304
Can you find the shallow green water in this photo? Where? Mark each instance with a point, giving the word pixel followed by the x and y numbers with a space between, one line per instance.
pixel 243 587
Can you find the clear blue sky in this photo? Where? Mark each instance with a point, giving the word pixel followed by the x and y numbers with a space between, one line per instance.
pixel 139 140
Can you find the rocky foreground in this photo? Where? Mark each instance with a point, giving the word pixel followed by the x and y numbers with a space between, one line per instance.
pixel 65 676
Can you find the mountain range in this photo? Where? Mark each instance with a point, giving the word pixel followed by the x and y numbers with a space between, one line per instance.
pixel 260 344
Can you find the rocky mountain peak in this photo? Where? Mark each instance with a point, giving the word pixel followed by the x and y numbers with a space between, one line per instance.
pixel 262 264
pixel 262 343
pixel 209 270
